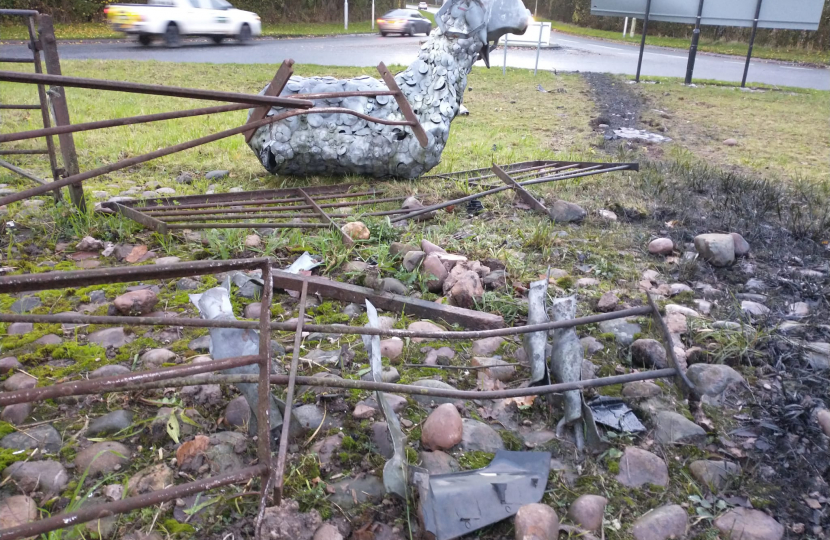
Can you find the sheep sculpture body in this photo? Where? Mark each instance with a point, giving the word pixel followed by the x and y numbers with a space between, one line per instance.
pixel 434 84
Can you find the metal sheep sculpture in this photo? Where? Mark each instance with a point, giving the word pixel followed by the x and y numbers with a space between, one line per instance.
pixel 341 144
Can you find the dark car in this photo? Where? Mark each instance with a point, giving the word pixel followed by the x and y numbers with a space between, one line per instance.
pixel 406 22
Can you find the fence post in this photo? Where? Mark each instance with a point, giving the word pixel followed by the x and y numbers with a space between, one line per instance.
pixel 538 47
pixel 46 31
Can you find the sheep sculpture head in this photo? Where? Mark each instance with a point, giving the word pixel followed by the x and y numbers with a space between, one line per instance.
pixel 434 84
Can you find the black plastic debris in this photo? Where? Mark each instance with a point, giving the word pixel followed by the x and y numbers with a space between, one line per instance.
pixel 614 413
pixel 456 504
pixel 475 207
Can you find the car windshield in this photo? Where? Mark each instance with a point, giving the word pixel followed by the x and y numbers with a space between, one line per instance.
pixel 398 13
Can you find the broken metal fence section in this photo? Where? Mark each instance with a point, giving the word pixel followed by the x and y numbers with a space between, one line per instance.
pixel 269 470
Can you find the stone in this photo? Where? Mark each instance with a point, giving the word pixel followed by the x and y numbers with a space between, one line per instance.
pixel 683 310
pixel 486 346
pixel 587 282
pixel 717 249
pixel 237 413
pixel 381 439
pixel 641 390
pixel 817 354
pixel 109 424
pixel 217 174
pixel 640 467
pixel 713 379
pixel 430 401
pixel 352 492
pixel 102 458
pixel 355 267
pixel 388 374
pixel 19 328
pixel 136 302
pixel 608 302
pixel 398 249
pixel 730 142
pixel 8 364
pixel 154 358
pixel 565 212
pixel 442 429
pixel 679 288
pixel 26 304
pixel 200 344
pixel 587 511
pixel 187 284
pixel 497 368
pixel 109 337
pixel 152 478
pixel 352 310
pixel 19 381
pixel 478 436
pixel 703 306
pixel 429 248
pixel 309 416
pixel 748 524
pixel 394 286
pixel 167 260
pixel 49 339
pixel 327 531
pixel 17 413
pixel 649 353
pixel 356 230
pixel 17 510
pixel 755 285
pixel 536 521
pixel 623 330
pixel 754 309
pixel 798 310
pixel 677 323
pixel 424 326
pixel 89 243
pixel 205 394
pixel 363 411
pixel 741 245
pixel 47 476
pixel 496 279
pixel 286 522
pixel 44 437
pixel 253 241
pixel 223 459
pixel 111 370
pixel 607 215
pixel 662 523
pixel 327 448
pixel 591 345
pixel 438 462
pixel 673 428
pixel 661 246
pixel 714 474
pixel 253 310
pixel 435 272
pixel 391 348
pixel 413 260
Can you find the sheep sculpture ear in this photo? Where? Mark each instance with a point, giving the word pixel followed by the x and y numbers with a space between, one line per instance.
pixel 474 16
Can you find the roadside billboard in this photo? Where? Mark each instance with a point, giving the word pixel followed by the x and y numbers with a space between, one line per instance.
pixel 785 14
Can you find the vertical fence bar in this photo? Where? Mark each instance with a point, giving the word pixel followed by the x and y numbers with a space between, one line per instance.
pixel 67 142
pixel 504 65
pixel 264 391
pixel 643 40
pixel 538 47
pixel 751 42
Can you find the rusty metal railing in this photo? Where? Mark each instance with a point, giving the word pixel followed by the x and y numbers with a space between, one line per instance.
pixel 269 470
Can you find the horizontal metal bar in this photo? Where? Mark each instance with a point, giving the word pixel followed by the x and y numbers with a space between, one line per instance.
pixel 20 12
pixel 60 318
pixel 99 511
pixel 254 214
pixel 152 89
pixel 115 122
pixel 247 225
pixel 360 93
pixel 185 201
pixel 11 60
pixel 362 202
pixel 23 152
pixel 122 274
pixel 251 202
pixel 21 172
pixel 23 107
pixel 110 384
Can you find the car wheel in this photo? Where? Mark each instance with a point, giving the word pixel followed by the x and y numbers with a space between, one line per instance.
pixel 408 31
pixel 429 29
pixel 217 39
pixel 145 39
pixel 244 34
pixel 383 34
pixel 171 35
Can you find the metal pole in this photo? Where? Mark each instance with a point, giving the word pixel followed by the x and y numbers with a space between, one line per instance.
pixel 346 14
pixel 690 66
pixel 59 108
pixel 625 27
pixel 751 42
pixel 538 47
pixel 373 14
pixel 536 8
pixel 643 40
pixel 504 66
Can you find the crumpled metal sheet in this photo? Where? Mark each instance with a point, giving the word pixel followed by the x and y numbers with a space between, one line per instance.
pixel 303 262
pixel 535 343
pixel 614 413
pixel 566 356
pixel 394 472
pixel 458 503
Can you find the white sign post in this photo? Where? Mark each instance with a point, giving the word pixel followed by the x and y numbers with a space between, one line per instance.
pixel 373 14
pixel 346 14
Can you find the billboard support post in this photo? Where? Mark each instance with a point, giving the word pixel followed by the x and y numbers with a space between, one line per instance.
pixel 643 40
pixel 690 66
pixel 751 42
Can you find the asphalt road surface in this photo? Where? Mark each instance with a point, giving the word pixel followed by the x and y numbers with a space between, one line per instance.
pixel 569 53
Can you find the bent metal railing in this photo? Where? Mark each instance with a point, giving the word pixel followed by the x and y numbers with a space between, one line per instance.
pixel 301 103
pixel 269 470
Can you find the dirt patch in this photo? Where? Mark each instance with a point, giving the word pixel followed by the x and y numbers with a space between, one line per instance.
pixel 619 106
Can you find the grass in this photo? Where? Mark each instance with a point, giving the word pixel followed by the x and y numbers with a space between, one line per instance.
pixel 705 44
pixel 780 133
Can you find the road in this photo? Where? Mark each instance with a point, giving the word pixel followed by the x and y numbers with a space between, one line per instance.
pixel 570 53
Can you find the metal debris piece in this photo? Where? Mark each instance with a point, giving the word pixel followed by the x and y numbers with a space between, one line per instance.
pixel 614 413
pixel 535 343
pixel 458 503
pixel 394 472
pixel 303 262
pixel 215 304
pixel 566 363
